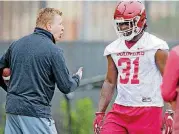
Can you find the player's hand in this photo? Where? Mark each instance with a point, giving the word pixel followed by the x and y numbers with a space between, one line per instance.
pixel 168 121
pixel 98 122
pixel 80 72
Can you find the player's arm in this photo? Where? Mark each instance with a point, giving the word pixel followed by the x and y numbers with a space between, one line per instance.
pixel 160 59
pixel 171 76
pixel 109 85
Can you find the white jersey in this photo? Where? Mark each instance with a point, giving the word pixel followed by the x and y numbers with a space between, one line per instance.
pixel 139 79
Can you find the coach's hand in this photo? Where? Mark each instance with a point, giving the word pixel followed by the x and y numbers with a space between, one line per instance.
pixel 80 72
pixel 98 122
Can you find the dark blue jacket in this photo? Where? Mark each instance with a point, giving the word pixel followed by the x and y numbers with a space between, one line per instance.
pixel 36 64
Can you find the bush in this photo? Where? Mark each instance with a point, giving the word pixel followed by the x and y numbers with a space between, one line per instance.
pixel 3 116
pixel 1 130
pixel 81 116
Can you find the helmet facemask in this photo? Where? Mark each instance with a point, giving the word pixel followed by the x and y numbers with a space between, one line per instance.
pixel 132 30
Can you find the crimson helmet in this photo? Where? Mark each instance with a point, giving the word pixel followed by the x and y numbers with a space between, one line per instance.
pixel 133 14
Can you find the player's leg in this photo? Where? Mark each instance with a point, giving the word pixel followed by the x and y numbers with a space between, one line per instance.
pixel 33 125
pixel 12 125
pixel 114 122
pixel 112 128
pixel 148 120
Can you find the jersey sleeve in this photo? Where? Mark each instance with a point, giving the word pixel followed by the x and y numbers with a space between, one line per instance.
pixel 112 48
pixel 164 46
pixel 107 51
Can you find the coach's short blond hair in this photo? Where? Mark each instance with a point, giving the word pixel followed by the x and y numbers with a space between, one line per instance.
pixel 46 15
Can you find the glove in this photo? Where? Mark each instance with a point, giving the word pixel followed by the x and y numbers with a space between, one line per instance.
pixel 80 72
pixel 168 122
pixel 98 122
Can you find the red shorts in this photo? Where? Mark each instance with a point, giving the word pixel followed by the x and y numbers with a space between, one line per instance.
pixel 132 120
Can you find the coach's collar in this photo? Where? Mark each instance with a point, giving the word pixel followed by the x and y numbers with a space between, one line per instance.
pixel 45 32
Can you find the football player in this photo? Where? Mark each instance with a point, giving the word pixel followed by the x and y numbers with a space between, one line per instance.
pixel 170 87
pixel 136 62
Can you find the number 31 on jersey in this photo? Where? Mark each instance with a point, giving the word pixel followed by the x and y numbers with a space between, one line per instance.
pixel 126 75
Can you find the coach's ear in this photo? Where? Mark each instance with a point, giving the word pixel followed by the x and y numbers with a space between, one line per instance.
pixel 2 83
